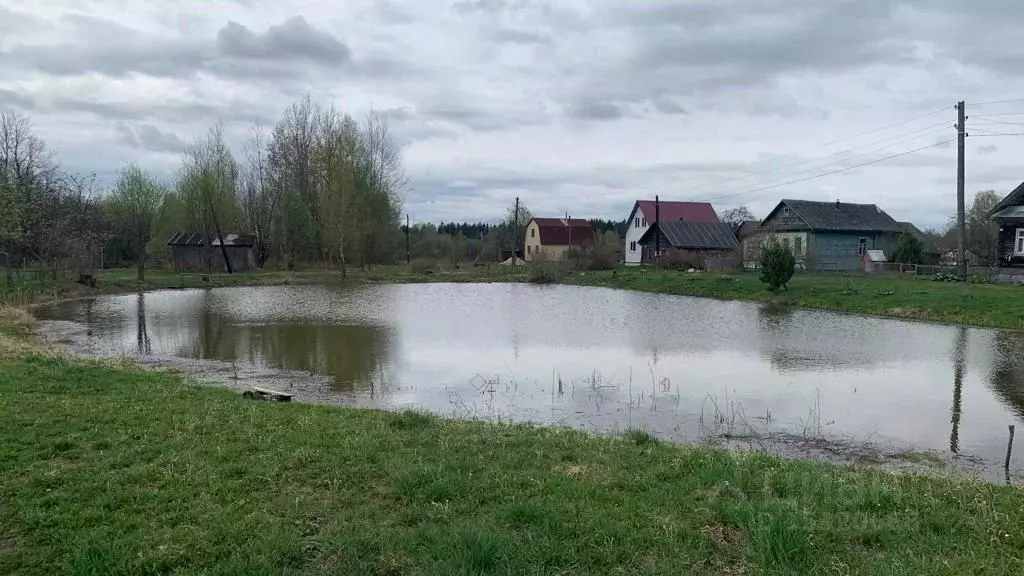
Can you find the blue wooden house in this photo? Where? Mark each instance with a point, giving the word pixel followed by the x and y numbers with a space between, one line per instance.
pixel 830 235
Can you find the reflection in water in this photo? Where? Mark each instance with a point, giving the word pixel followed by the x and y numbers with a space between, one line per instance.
pixel 959 354
pixel 1007 374
pixel 143 345
pixel 595 358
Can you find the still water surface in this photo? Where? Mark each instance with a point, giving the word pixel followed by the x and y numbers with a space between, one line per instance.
pixel 676 366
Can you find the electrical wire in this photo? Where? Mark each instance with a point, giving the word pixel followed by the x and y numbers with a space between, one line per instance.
pixel 839 171
pixel 675 184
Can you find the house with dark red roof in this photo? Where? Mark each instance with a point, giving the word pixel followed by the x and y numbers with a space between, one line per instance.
pixel 549 239
pixel 645 212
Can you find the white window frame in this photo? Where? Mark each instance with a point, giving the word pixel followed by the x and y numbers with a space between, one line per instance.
pixel 862 246
pixel 1018 242
pixel 637 222
pixel 632 246
pixel 798 245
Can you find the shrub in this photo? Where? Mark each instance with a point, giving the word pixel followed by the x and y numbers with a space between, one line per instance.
pixel 423 266
pixel 544 272
pixel 777 265
pixel 908 250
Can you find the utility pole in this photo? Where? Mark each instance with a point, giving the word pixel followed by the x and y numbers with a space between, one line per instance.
pixel 408 257
pixel 961 221
pixel 515 232
pixel 657 236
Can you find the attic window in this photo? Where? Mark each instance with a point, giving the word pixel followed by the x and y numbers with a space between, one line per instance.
pixel 785 210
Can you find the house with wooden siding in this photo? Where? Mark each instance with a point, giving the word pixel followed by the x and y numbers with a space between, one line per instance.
pixel 700 245
pixel 549 239
pixel 191 252
pixel 1009 215
pixel 644 214
pixel 830 235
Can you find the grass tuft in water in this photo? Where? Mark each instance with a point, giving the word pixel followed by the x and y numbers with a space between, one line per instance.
pixel 641 437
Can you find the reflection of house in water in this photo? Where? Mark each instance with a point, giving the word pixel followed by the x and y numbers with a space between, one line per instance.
pixel 1006 376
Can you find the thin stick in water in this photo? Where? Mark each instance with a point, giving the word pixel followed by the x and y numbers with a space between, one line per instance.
pixel 1009 449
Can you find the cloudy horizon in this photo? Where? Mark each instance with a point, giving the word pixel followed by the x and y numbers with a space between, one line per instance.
pixel 579 106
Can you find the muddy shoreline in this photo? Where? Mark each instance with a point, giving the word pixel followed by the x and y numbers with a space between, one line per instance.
pixel 308 387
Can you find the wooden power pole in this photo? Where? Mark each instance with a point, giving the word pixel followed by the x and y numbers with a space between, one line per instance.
pixel 408 256
pixel 515 233
pixel 961 220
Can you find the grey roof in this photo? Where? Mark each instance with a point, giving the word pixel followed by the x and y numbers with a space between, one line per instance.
pixel 747 228
pixel 193 239
pixel 842 216
pixel 1014 198
pixel 185 239
pixel 694 235
pixel 1008 212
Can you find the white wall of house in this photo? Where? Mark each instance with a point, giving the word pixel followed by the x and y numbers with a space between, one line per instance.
pixel 635 229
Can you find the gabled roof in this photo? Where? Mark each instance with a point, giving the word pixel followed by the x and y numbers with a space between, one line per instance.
pixel 839 216
pixel 1014 198
pixel 679 211
pixel 564 232
pixel 694 235
pixel 747 228
pixel 243 240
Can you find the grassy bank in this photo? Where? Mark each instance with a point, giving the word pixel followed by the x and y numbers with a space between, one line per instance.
pixel 912 298
pixel 919 299
pixel 115 471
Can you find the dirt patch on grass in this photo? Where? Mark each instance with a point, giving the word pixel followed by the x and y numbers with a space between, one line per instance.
pixel 571 470
pixel 725 536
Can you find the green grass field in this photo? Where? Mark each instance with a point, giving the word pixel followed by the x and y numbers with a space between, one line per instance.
pixel 899 297
pixel 107 470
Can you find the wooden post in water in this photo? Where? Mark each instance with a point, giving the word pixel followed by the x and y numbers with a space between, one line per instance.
pixel 1009 450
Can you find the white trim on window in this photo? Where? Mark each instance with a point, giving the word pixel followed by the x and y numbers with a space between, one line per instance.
pixel 632 246
pixel 862 246
pixel 1018 243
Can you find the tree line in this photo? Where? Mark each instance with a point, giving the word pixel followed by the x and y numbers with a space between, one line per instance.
pixel 318 186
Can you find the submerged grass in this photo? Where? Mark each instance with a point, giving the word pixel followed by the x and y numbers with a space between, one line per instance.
pixel 108 470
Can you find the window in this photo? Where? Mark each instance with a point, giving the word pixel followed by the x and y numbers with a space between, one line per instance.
pixel 785 242
pixel 1018 245
pixel 862 246
pixel 798 245
pixel 638 222
pixel 533 232
pixel 632 246
pixel 645 221
pixel 528 248
pixel 785 211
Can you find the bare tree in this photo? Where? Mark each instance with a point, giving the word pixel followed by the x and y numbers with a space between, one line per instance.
pixel 257 197
pixel 137 199
pixel 736 216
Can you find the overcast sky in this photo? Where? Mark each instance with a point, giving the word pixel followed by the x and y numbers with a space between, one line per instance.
pixel 575 105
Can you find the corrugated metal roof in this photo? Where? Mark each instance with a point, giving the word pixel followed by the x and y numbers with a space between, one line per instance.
pixel 679 211
pixel 193 239
pixel 694 235
pixel 185 239
pixel 562 232
pixel 1009 212
pixel 841 216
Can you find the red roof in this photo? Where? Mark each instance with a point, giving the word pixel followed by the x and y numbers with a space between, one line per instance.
pixel 559 231
pixel 681 211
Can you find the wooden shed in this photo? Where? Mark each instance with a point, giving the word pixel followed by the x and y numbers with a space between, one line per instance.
pixel 191 252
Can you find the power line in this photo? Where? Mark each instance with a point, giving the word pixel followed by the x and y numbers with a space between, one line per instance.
pixel 839 171
pixel 902 139
pixel 997 102
pixel 801 151
pixel 994 121
pixel 829 160
pixel 1000 134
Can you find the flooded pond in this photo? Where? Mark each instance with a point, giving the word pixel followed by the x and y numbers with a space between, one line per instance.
pixel 604 360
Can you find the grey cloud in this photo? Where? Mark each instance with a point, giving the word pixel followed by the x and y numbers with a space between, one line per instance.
pixel 668 106
pixel 96 45
pixel 294 39
pixel 490 6
pixel 987 149
pixel 12 99
pixel 389 12
pixel 514 36
pixel 149 137
pixel 592 110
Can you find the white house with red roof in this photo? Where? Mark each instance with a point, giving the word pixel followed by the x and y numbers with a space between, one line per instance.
pixel 645 212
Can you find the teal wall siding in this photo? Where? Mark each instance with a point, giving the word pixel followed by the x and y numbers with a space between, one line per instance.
pixel 838 250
